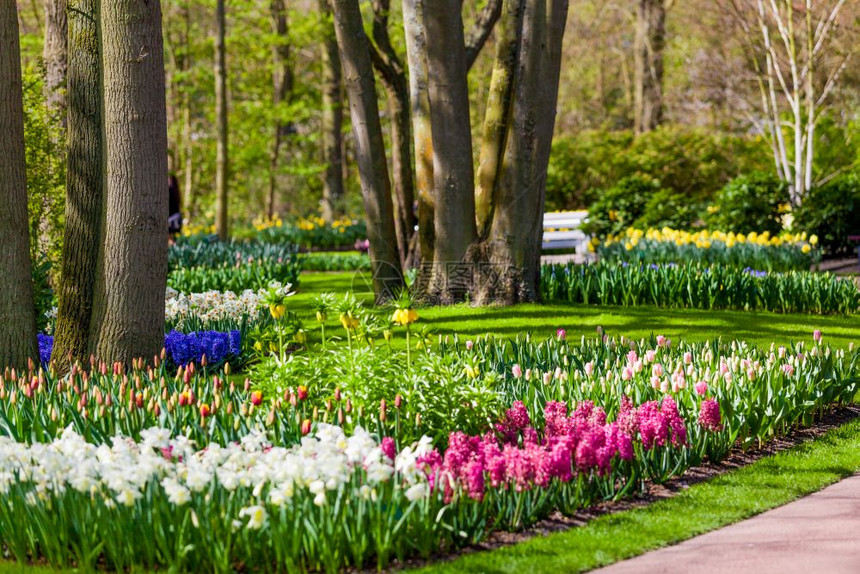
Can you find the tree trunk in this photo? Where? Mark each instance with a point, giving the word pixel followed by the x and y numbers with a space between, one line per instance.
pixel 129 303
pixel 370 147
pixel 416 55
pixel 55 55
pixel 187 196
pixel 332 118
pixel 222 161
pixel 84 186
pixel 17 317
pixel 511 252
pixel 282 92
pixel 497 115
pixel 390 68
pixel 648 63
pixel 453 172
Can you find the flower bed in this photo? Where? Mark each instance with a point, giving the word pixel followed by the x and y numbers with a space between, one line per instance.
pixel 785 252
pixel 699 286
pixel 353 455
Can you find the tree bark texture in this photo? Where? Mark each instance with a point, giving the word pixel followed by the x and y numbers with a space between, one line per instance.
pixel 649 43
pixel 55 54
pixel 222 160
pixel 332 118
pixel 512 249
pixel 453 172
pixel 497 115
pixel 370 147
pixel 393 75
pixel 416 56
pixel 84 185
pixel 132 279
pixel 17 315
pixel 282 92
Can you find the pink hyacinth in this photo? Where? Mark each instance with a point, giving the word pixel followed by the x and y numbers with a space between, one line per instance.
pixel 701 388
pixel 556 421
pixel 709 415
pixel 515 421
pixel 679 430
pixel 388 448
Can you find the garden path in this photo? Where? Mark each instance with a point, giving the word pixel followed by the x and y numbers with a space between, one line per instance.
pixel 818 533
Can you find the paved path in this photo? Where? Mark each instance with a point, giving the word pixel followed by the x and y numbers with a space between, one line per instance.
pixel 818 533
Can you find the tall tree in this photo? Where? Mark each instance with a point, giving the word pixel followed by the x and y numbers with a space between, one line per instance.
pixel 512 246
pixel 132 277
pixel 17 317
pixel 650 41
pixel 332 116
pixel 84 185
pixel 282 93
pixel 370 147
pixel 55 54
pixel 416 57
pixel 222 160
pixel 453 172
pixel 393 75
pixel 497 114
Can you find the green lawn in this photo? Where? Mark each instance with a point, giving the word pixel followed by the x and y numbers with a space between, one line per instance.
pixel 688 324
pixel 768 483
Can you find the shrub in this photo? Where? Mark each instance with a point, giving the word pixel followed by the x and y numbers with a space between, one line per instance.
pixel 620 206
pixel 832 212
pixel 668 208
pixel 750 203
pixel 691 162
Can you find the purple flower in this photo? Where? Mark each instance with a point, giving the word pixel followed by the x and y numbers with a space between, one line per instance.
pixel 46 346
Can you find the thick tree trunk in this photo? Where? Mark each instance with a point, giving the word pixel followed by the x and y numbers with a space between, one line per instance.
pixel 55 54
pixel 511 252
pixel 497 115
pixel 222 161
pixel 370 147
pixel 453 172
pixel 332 118
pixel 416 56
pixel 390 68
pixel 129 303
pixel 17 316
pixel 282 92
pixel 648 64
pixel 84 186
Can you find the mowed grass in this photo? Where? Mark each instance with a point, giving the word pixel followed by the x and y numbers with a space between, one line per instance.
pixel 770 482
pixel 688 324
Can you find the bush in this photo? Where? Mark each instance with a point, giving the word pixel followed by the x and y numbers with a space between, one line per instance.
pixel 668 208
pixel 750 203
pixel 832 212
pixel 621 205
pixel 693 163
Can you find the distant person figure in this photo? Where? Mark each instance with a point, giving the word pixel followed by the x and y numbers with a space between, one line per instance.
pixel 174 219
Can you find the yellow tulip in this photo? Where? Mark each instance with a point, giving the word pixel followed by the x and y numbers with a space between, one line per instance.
pixel 813 239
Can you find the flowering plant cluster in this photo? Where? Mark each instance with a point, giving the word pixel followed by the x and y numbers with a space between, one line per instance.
pixel 356 454
pixel 217 347
pixel 764 251
pixel 212 306
pixel 699 286
pixel 313 233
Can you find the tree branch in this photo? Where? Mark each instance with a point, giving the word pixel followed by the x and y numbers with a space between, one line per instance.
pixel 481 30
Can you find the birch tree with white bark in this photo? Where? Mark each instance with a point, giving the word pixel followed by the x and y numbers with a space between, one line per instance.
pixel 797 54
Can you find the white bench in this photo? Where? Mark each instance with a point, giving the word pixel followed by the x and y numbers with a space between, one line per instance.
pixel 561 231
